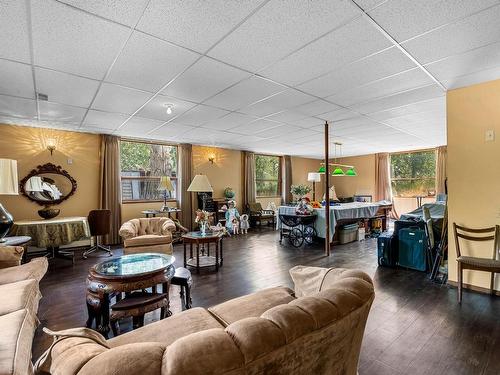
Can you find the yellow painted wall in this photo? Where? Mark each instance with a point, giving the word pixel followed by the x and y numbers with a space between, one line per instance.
pixel 363 183
pixel 27 146
pixel 300 168
pixel 473 168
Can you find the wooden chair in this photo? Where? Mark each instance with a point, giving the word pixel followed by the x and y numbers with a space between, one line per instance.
pixel 100 225
pixel 475 263
pixel 258 214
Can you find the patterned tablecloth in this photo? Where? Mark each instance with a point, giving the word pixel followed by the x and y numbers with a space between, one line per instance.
pixel 54 232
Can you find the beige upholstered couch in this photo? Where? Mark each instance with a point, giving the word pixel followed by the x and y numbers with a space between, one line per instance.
pixel 268 332
pixel 152 235
pixel 19 296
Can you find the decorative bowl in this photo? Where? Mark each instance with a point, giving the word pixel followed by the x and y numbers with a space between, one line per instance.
pixel 48 213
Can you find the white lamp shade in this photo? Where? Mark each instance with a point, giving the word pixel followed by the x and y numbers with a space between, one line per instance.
pixel 34 184
pixel 166 183
pixel 8 177
pixel 314 177
pixel 200 184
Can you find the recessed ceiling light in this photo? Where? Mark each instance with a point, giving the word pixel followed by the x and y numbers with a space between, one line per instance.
pixel 170 108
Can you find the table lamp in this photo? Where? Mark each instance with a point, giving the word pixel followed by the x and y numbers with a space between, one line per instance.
pixel 8 186
pixel 314 177
pixel 200 184
pixel 165 185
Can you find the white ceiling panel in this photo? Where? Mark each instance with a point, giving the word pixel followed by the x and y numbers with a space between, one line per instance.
pixel 245 93
pixel 14 30
pixel 229 121
pixel 61 113
pixel 65 88
pixel 196 24
pixel 284 132
pixel 375 67
pixel 73 41
pixel 404 19
pixel 474 78
pixel 16 79
pixel 461 36
pixel 432 105
pixel 280 27
pixel 104 120
pixel 149 63
pixel 255 127
pixel 287 99
pixel 309 122
pixel 199 115
pixel 113 98
pixel 171 131
pixel 338 115
pixel 17 107
pixel 351 42
pixel 316 107
pixel 138 127
pixel 157 108
pixel 204 79
pixel 126 12
pixel 286 116
pixel 369 4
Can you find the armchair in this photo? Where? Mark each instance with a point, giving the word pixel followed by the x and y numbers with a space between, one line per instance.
pixel 258 214
pixel 11 256
pixel 152 235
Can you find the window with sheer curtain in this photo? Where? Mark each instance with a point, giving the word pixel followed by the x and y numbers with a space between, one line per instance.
pixel 267 175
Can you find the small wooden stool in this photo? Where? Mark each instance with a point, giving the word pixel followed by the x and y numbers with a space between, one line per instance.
pixel 136 304
pixel 183 278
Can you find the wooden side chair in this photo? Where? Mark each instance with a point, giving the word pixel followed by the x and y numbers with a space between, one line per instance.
pixel 258 215
pixel 475 263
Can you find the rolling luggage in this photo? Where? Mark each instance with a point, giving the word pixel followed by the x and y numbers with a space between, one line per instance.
pixel 387 248
pixel 412 248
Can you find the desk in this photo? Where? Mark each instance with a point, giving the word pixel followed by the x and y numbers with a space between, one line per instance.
pixel 53 233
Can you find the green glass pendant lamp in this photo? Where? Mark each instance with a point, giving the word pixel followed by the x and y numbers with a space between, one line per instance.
pixel 338 172
pixel 322 169
pixel 351 172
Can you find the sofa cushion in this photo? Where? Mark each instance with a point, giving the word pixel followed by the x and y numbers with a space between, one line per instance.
pixel 147 240
pixel 10 256
pixel 21 295
pixel 32 270
pixel 17 330
pixel 252 305
pixel 168 330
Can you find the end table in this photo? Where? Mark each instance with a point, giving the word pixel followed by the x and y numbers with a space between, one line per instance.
pixel 203 260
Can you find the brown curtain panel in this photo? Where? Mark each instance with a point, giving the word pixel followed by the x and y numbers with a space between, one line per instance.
pixel 383 188
pixel 185 176
pixel 111 192
pixel 441 155
pixel 287 179
pixel 249 192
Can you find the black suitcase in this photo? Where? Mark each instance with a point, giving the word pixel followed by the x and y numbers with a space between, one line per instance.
pixel 387 249
pixel 400 224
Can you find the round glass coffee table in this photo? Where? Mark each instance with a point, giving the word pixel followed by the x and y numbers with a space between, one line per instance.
pixel 124 274
pixel 204 259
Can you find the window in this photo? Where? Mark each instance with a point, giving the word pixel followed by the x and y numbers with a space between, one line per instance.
pixel 142 166
pixel 268 175
pixel 413 173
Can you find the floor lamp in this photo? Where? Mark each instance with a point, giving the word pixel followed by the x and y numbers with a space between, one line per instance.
pixel 314 177
pixel 8 186
pixel 200 184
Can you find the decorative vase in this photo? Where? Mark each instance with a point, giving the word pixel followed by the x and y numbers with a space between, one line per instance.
pixel 6 222
pixel 229 193
pixel 203 228
pixel 48 212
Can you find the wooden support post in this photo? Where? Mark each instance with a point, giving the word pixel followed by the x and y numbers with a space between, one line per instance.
pixel 327 193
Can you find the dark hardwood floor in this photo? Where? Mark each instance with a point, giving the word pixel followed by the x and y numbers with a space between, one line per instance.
pixel 415 326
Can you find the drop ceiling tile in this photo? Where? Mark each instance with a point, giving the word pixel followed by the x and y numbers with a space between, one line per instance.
pixel 65 88
pixel 17 107
pixel 93 129
pixel 469 33
pixel 14 31
pixel 404 19
pixel 229 121
pixel 349 43
pixel 309 122
pixel 200 115
pixel 279 28
pixel 126 12
pixel 255 127
pixel 171 131
pixel 338 115
pixel 118 99
pixel 139 127
pixel 286 116
pixel 104 120
pixel 16 79
pixel 431 105
pixel 156 108
pixel 195 24
pixel 287 99
pixel 375 67
pixel 283 132
pixel 61 113
pixel 73 41
pixel 474 78
pixel 369 4
pixel 149 63
pixel 244 93
pixel 316 107
pixel 204 79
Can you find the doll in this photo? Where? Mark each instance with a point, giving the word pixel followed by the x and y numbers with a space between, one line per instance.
pixel 244 225
pixel 235 226
pixel 231 214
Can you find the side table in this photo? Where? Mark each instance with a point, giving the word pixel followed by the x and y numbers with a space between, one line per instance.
pixel 203 260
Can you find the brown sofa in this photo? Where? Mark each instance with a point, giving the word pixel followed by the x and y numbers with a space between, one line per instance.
pixel 268 332
pixel 148 235
pixel 19 296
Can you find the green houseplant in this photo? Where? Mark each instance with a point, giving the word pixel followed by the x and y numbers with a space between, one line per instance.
pixel 298 191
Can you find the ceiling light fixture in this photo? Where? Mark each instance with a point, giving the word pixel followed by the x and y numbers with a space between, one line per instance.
pixel 170 108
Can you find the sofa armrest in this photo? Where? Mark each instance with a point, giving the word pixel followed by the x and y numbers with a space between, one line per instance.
pixel 168 227
pixel 11 256
pixel 128 230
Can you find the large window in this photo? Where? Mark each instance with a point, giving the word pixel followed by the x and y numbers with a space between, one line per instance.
pixel 143 165
pixel 268 175
pixel 413 174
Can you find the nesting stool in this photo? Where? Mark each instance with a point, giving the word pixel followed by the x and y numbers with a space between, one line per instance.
pixel 183 278
pixel 136 304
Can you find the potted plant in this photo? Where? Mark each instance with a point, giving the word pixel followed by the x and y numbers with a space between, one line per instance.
pixel 299 191
pixel 229 193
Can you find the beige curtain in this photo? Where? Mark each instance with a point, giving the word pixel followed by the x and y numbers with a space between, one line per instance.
pixel 249 193
pixel 185 176
pixel 287 179
pixel 441 155
pixel 383 190
pixel 110 185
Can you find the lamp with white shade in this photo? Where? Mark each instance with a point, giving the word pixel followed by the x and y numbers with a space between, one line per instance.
pixel 314 177
pixel 200 184
pixel 8 186
pixel 165 185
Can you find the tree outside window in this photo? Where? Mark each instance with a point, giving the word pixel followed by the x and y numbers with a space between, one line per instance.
pixel 268 175
pixel 413 174
pixel 142 166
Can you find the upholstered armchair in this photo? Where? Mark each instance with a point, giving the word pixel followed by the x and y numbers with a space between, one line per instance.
pixel 147 235
pixel 258 214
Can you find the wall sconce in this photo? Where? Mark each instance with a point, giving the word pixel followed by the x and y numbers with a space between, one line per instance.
pixel 211 158
pixel 51 145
